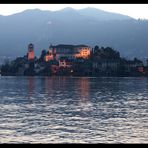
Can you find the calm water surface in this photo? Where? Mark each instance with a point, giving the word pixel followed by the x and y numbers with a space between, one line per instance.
pixel 73 110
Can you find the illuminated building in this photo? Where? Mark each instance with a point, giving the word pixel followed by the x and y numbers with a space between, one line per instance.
pixel 71 51
pixel 30 54
pixel 65 63
pixel 49 56
pixel 82 52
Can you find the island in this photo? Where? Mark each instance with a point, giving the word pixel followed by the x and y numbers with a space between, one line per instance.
pixel 74 60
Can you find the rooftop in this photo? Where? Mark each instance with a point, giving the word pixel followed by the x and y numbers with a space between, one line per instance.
pixel 68 46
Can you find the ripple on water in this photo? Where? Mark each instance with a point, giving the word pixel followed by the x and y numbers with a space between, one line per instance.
pixel 73 110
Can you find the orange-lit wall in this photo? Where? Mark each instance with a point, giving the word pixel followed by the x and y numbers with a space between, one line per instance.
pixel 31 55
pixel 48 58
pixel 84 53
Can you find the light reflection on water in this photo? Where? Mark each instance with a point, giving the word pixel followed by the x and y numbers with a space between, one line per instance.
pixel 73 110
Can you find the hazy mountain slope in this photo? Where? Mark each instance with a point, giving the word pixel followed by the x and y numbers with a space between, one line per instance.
pixel 69 26
pixel 102 15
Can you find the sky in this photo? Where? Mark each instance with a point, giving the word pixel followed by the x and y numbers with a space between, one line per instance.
pixel 134 10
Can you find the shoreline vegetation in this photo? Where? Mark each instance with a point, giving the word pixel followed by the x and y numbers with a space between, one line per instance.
pixel 74 60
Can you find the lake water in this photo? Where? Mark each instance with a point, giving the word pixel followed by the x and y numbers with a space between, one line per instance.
pixel 73 110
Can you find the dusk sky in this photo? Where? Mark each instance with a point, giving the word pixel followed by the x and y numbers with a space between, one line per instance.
pixel 134 10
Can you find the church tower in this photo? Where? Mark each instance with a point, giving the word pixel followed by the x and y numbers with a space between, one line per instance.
pixel 30 54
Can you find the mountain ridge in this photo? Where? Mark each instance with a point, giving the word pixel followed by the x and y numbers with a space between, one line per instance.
pixel 125 34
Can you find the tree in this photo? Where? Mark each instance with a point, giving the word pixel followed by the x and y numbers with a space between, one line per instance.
pixel 96 49
pixel 42 55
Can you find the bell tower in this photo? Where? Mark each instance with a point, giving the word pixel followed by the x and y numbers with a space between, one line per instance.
pixel 30 54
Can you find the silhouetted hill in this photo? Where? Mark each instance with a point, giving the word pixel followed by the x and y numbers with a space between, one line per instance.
pixel 88 26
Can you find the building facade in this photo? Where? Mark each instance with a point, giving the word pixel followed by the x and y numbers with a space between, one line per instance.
pixel 70 51
pixel 49 56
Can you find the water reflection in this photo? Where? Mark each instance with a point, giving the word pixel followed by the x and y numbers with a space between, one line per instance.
pixel 80 91
pixel 52 87
pixel 30 85
pixel 67 109
pixel 84 89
